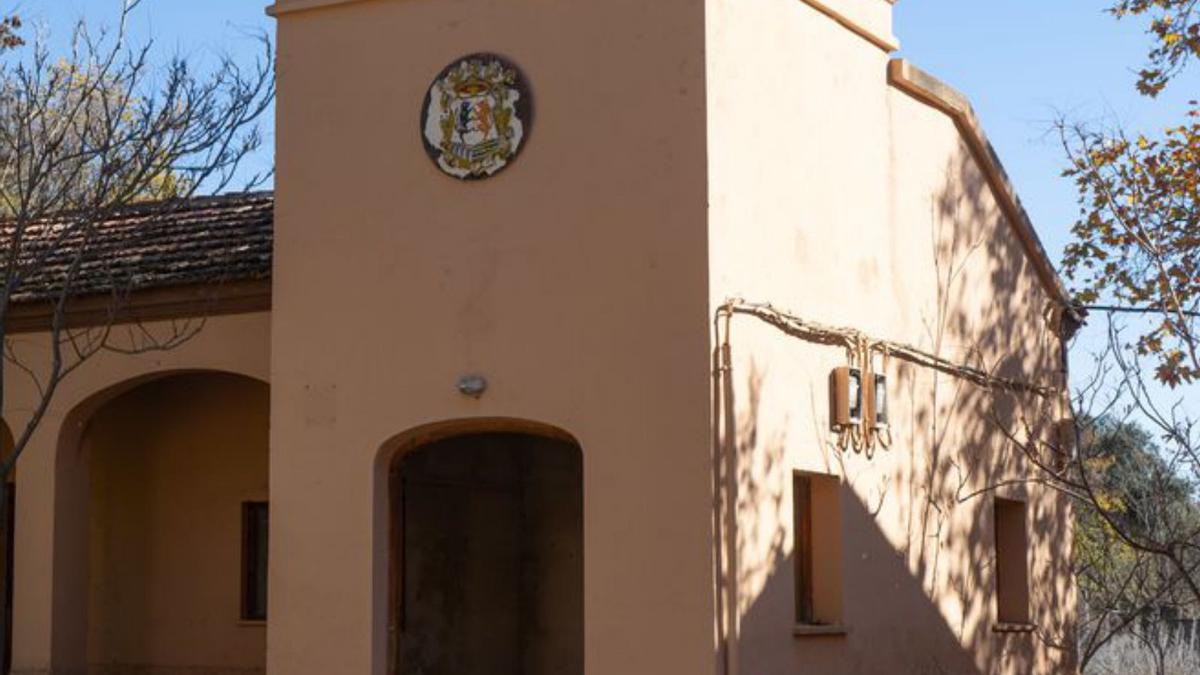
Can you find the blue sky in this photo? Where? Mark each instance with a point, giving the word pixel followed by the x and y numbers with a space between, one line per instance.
pixel 1023 63
pixel 201 30
pixel 189 26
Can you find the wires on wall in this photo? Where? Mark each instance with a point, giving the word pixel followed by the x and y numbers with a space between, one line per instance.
pixel 869 359
pixel 853 339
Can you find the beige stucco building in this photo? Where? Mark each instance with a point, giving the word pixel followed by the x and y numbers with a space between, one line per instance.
pixel 651 481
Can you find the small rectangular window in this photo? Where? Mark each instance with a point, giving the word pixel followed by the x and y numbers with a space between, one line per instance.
pixel 816 512
pixel 254 561
pixel 1012 568
pixel 802 494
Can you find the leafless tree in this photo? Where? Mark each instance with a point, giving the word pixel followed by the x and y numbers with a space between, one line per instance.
pixel 1129 456
pixel 84 136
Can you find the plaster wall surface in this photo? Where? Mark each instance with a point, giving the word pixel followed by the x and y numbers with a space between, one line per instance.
pixel 844 201
pixel 7 515
pixel 574 281
pixel 50 634
pixel 581 282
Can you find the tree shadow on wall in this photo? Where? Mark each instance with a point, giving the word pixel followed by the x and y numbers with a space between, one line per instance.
pixel 918 551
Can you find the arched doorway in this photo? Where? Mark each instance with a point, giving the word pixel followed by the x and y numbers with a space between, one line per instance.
pixel 165 528
pixel 487 556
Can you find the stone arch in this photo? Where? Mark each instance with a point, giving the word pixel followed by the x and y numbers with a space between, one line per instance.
pixel 150 475
pixel 482 532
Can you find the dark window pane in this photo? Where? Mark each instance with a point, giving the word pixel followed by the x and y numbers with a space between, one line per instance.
pixel 254 561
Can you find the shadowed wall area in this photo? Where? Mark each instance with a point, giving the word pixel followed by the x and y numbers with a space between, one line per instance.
pixel 8 505
pixel 488 557
pixel 886 221
pixel 169 465
pixel 920 550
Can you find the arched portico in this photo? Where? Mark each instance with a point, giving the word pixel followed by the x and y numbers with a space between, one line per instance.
pixel 160 505
pixel 485 549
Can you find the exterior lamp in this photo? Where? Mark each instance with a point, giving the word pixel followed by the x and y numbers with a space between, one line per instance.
pixel 472 385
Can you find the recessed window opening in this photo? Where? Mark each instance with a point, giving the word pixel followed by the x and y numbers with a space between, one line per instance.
pixel 816 510
pixel 804 550
pixel 1012 568
pixel 255 521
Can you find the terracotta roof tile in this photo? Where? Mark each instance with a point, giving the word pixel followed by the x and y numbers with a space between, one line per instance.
pixel 203 240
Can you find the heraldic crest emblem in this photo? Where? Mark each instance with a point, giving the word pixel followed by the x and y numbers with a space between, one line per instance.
pixel 476 116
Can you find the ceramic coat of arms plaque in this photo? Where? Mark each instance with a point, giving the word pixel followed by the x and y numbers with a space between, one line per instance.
pixel 476 116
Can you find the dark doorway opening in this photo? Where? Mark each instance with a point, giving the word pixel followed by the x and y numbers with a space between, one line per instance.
pixel 487 557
